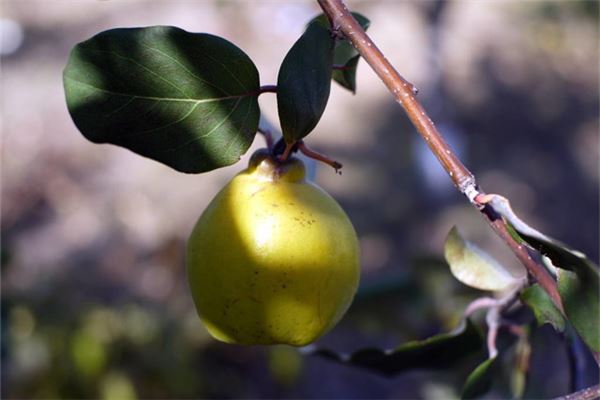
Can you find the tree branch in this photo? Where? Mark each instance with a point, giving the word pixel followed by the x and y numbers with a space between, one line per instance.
pixel 342 21
pixel 585 394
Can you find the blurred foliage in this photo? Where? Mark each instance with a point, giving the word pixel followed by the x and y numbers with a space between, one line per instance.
pixel 94 299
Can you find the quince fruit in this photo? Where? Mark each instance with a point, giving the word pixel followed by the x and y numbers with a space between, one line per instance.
pixel 273 259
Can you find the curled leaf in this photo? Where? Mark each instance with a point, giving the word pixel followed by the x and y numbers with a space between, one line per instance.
pixel 479 381
pixel 436 352
pixel 474 267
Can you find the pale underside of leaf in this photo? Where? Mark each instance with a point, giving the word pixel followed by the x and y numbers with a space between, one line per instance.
pixel 474 267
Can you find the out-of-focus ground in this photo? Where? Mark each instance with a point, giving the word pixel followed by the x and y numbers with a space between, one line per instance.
pixel 95 301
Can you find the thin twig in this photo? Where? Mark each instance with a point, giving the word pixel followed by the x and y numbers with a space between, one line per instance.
pixel 310 153
pixel 267 89
pixel 479 304
pixel 585 394
pixel 402 90
pixel 286 153
pixel 492 319
pixel 341 67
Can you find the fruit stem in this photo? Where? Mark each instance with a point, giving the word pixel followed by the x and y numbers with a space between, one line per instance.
pixel 308 152
pixel 286 153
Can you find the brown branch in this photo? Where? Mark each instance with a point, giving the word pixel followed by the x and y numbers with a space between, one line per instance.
pixel 585 394
pixel 310 153
pixel 402 90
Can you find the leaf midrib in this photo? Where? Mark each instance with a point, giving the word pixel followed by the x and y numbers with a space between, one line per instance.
pixel 173 99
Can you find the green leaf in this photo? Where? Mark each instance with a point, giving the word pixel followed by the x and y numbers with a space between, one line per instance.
pixel 480 380
pixel 580 294
pixel 188 100
pixel 521 362
pixel 578 276
pixel 437 352
pixel 345 55
pixel 347 75
pixel 543 307
pixel 474 267
pixel 304 82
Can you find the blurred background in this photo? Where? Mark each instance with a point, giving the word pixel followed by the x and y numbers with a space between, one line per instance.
pixel 95 302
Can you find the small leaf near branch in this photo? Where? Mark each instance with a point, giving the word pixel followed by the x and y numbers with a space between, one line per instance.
pixel 543 308
pixel 480 380
pixel 346 76
pixel 437 352
pixel 304 82
pixel 474 267
pixel 581 300
pixel 345 55
pixel 188 100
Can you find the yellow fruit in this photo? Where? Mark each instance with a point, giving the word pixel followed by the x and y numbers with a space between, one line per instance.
pixel 273 259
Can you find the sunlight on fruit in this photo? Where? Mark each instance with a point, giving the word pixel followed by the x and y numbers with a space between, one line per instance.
pixel 273 258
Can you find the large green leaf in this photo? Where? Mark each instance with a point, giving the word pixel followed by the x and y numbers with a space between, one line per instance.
pixel 304 82
pixel 474 267
pixel 437 352
pixel 543 307
pixel 479 381
pixel 580 294
pixel 188 100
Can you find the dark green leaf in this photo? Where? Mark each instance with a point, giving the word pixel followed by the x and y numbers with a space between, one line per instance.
pixel 304 82
pixel 561 255
pixel 188 100
pixel 345 55
pixel 578 276
pixel 347 75
pixel 543 308
pixel 580 294
pixel 437 352
pixel 480 380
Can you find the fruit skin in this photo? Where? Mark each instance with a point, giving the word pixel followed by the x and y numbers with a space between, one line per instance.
pixel 273 259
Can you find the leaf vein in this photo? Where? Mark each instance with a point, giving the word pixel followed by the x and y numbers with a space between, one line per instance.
pixel 185 69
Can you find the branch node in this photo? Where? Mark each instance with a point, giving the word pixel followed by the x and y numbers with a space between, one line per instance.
pixel 470 189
